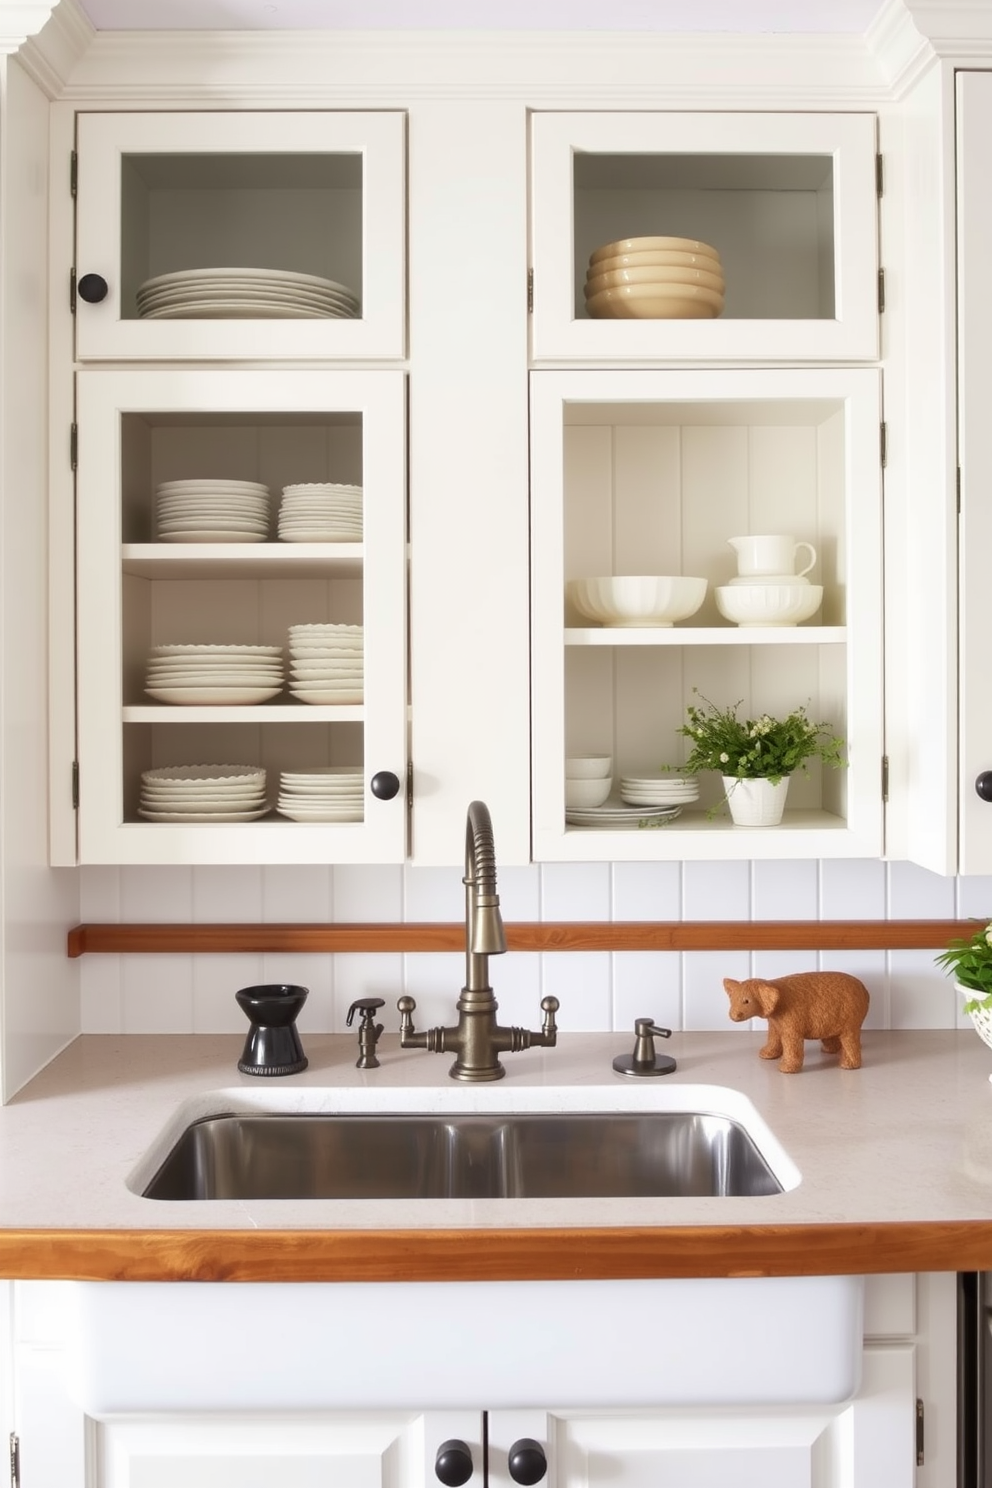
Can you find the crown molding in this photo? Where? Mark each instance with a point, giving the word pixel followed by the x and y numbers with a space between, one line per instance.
pixel 543 69
pixel 962 26
pixel 902 52
pixel 20 19
pixel 50 56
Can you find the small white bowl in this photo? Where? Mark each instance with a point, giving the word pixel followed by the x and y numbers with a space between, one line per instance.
pixel 588 766
pixel 768 604
pixel 587 793
pixel 662 276
pixel 632 599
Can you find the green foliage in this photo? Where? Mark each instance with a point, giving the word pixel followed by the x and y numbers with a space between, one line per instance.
pixel 755 748
pixel 970 964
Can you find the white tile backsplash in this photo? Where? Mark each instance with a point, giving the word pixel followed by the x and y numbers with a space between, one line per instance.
pixel 597 990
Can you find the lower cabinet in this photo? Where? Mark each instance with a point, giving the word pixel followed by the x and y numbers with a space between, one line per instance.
pixel 872 1441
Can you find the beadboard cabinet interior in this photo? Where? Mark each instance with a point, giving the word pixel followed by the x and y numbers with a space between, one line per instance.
pixel 143 427
pixel 652 472
pixel 314 193
pixel 788 201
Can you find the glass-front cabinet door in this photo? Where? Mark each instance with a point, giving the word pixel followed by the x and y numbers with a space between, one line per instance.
pixel 241 607
pixel 742 511
pixel 240 234
pixel 704 236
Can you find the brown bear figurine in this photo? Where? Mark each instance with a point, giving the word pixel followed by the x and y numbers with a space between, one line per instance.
pixel 826 1005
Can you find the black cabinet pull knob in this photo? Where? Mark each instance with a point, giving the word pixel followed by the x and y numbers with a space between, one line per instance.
pixel 983 785
pixel 527 1461
pixel 453 1463
pixel 385 785
pixel 92 288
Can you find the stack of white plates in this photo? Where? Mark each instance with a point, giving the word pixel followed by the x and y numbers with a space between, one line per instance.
pixel 614 816
pixel 214 674
pixel 320 511
pixel 331 793
pixel 203 793
pixel 249 294
pixel 327 663
pixel 211 511
pixel 659 790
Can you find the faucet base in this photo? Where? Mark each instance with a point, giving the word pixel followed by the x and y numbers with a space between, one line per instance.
pixel 471 1073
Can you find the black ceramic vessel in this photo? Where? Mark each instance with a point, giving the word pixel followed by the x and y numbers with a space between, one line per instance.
pixel 273 1045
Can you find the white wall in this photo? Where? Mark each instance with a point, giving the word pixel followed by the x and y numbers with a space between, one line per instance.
pixel 597 990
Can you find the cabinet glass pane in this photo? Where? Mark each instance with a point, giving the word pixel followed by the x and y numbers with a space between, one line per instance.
pixel 295 214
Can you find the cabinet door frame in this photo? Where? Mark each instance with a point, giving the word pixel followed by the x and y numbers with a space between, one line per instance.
pixel 104 397
pixel 104 139
pixel 860 834
pixel 849 139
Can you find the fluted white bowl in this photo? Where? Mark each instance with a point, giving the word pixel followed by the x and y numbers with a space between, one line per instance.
pixel 637 599
pixel 768 604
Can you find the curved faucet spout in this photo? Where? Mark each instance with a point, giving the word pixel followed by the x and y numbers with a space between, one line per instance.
pixel 484 934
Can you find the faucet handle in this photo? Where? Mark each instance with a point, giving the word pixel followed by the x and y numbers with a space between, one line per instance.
pixel 366 1006
pixel 549 1006
pixel 644 1060
pixel 406 1006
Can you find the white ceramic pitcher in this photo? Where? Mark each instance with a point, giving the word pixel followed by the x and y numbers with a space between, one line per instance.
pixel 770 555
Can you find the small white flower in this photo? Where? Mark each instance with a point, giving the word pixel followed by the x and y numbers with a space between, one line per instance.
pixel 724 759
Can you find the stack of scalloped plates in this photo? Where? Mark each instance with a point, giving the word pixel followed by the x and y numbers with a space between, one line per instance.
pixel 231 675
pixel 659 790
pixel 615 817
pixel 245 294
pixel 321 511
pixel 327 663
pixel 330 793
pixel 203 793
pixel 212 511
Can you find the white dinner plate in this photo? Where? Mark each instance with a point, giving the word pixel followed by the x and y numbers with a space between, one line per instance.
pixel 243 310
pixel 212 696
pixel 202 816
pixel 318 814
pixel 209 648
pixel 329 697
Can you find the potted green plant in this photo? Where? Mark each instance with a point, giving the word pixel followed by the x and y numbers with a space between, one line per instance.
pixel 970 964
pixel 755 756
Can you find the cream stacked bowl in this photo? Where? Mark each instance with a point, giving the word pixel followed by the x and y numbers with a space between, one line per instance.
pixel 588 780
pixel 654 278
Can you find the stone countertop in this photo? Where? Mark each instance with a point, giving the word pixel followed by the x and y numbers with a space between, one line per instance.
pixel 894 1163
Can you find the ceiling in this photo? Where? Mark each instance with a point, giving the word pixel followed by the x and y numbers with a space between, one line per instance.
pixel 753 17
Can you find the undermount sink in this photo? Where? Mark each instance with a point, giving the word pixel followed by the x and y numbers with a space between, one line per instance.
pixel 516 1156
pixel 596 1155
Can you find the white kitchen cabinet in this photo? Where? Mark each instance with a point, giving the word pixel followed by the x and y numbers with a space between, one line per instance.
pixel 974 122
pixel 788 200
pixel 315 193
pixel 639 472
pixel 140 427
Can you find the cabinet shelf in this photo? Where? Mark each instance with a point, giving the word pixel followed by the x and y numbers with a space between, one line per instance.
pixel 702 635
pixel 270 560
pixel 251 713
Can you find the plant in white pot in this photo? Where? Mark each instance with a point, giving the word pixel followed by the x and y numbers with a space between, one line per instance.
pixel 970 964
pixel 755 756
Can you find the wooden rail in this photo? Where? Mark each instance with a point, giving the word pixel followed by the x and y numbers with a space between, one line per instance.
pixel 554 935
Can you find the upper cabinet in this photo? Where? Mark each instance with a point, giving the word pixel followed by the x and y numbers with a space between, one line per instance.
pixel 788 203
pixel 244 235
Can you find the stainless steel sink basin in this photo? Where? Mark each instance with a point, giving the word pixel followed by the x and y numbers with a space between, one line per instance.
pixel 513 1156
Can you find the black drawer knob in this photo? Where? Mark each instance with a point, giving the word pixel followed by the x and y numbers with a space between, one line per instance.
pixel 527 1461
pixel 983 785
pixel 385 785
pixel 92 288
pixel 453 1463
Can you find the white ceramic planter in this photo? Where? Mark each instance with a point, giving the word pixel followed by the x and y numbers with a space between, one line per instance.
pixel 981 1017
pixel 755 803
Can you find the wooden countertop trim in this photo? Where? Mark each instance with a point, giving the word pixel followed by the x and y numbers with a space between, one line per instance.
pixel 555 935
pixel 493 1255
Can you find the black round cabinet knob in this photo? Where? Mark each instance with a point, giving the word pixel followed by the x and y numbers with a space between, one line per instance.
pixel 385 785
pixel 983 785
pixel 92 288
pixel 453 1463
pixel 527 1461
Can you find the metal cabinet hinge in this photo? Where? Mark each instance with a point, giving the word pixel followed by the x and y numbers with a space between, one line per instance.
pixel 919 1433
pixel 75 785
pixel 883 442
pixel 15 1460
pixel 530 291
pixel 885 778
pixel 409 784
pixel 73 446
pixel 73 173
pixel 72 291
pixel 881 291
pixel 879 175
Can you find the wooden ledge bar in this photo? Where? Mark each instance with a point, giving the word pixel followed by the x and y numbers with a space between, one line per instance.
pixel 555 935
pixel 493 1255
